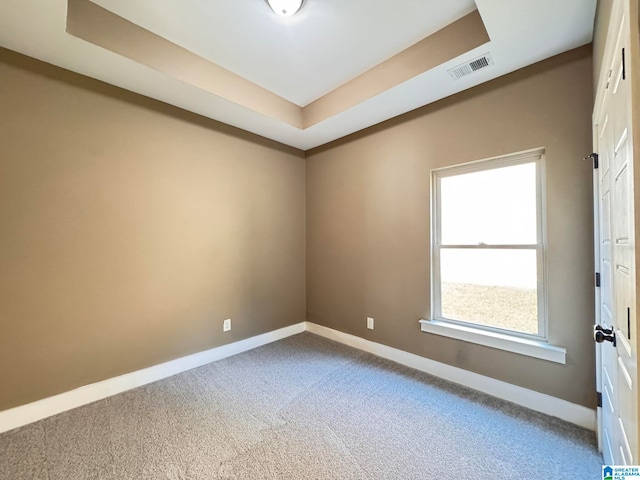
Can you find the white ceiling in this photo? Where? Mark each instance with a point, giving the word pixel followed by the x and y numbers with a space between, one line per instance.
pixel 303 57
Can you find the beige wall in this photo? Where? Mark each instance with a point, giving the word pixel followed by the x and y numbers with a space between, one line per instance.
pixel 368 220
pixel 131 230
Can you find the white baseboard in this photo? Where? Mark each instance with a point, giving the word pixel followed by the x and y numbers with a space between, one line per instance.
pixel 47 407
pixel 32 412
pixel 540 402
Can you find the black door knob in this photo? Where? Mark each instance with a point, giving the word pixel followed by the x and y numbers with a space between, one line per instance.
pixel 601 334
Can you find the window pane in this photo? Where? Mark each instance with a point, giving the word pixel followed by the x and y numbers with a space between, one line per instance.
pixel 497 288
pixel 496 206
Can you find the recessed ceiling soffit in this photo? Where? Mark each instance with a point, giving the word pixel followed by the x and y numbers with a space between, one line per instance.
pixel 101 27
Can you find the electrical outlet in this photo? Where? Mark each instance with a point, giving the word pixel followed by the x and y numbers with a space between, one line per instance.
pixel 226 325
pixel 370 323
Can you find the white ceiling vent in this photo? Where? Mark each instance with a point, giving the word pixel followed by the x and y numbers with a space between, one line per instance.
pixel 470 67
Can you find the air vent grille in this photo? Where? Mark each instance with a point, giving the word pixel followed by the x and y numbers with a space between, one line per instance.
pixel 471 66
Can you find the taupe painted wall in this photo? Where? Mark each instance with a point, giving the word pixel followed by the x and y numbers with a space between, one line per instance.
pixel 368 220
pixel 130 230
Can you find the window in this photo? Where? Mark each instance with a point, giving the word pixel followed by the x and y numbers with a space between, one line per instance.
pixel 488 253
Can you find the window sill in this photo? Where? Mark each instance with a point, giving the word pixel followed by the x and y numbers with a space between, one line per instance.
pixel 501 341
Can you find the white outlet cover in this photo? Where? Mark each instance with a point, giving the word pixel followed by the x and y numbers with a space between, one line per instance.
pixel 370 323
pixel 226 325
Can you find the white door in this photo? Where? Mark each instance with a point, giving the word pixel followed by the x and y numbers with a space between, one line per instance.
pixel 613 186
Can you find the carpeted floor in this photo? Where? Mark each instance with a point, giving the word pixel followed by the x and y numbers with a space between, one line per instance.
pixel 302 408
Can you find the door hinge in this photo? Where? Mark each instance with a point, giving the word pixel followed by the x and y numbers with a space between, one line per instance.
pixel 599 395
pixel 597 279
pixel 594 157
pixel 624 66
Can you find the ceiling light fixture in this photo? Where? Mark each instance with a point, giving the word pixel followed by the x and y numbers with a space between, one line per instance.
pixel 285 8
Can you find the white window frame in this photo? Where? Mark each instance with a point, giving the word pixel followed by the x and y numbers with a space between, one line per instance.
pixel 535 345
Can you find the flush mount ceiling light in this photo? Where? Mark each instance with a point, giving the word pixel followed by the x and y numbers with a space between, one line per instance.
pixel 285 8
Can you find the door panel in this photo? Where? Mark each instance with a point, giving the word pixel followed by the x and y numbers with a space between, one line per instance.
pixel 607 300
pixel 616 255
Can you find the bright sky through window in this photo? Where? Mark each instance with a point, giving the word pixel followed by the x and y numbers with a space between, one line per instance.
pixel 495 207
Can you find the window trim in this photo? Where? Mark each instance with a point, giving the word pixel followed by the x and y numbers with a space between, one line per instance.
pixel 536 345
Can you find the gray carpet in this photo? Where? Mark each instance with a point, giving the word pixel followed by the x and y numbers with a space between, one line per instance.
pixel 301 408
